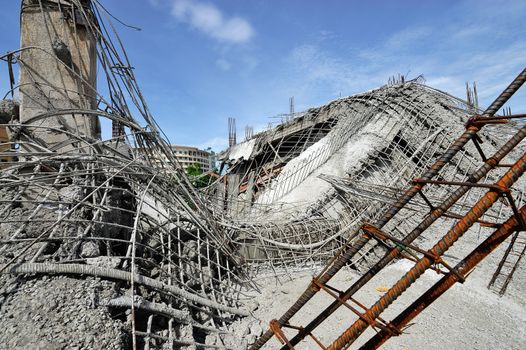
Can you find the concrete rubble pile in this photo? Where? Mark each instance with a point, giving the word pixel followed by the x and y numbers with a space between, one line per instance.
pixel 434 195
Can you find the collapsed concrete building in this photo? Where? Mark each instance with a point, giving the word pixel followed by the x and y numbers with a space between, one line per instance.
pixel 343 167
pixel 99 248
pixel 298 189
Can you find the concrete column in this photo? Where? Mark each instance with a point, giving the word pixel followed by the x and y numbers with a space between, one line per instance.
pixel 57 72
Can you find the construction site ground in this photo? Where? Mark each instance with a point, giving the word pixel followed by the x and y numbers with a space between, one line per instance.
pixel 111 243
pixel 468 316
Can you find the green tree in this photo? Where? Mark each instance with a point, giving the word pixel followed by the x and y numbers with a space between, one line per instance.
pixel 197 178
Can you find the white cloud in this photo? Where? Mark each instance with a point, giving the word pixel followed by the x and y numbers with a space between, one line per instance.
pixel 315 69
pixel 407 37
pixel 448 56
pixel 155 3
pixel 209 19
pixel 450 84
pixel 223 64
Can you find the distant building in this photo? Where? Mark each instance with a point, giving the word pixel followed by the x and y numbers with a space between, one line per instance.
pixel 187 156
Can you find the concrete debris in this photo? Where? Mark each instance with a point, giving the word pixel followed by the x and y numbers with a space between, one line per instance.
pixel 9 110
pixel 105 243
pixel 418 224
pixel 100 211
pixel 57 313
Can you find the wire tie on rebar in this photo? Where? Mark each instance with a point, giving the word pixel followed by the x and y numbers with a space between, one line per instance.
pixel 275 327
pixel 439 260
pixel 500 189
pixel 418 182
pixel 373 232
pixel 394 330
pixel 315 284
pixel 473 121
pixel 478 121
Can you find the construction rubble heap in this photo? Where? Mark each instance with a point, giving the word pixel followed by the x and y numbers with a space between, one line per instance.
pixel 102 245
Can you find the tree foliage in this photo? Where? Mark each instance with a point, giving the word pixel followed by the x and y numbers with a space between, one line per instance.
pixel 197 177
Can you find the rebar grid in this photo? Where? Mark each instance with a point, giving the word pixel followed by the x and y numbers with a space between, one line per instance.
pixel 120 208
pixel 403 127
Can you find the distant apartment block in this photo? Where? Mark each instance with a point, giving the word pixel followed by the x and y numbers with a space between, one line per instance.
pixel 187 156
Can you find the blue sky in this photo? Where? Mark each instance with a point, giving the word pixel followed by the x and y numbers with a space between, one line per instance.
pixel 199 62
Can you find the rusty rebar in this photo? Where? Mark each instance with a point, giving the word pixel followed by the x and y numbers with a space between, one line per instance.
pixel 348 251
pixel 430 218
pixel 509 178
pixel 446 282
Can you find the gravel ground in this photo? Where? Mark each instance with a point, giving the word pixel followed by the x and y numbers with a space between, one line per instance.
pixel 58 313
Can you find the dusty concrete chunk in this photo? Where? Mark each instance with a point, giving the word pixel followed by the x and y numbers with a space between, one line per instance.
pixel 9 110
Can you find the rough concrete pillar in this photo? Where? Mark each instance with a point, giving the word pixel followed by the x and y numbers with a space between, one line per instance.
pixel 57 72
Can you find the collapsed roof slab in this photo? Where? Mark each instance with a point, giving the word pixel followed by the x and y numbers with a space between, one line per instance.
pixel 382 140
